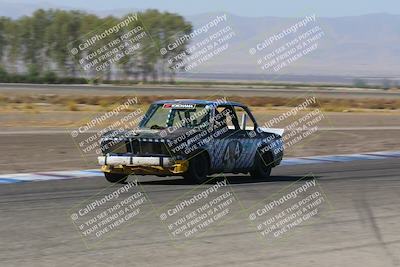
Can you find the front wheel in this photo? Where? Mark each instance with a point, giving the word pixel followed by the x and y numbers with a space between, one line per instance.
pixel 198 168
pixel 262 166
pixel 115 177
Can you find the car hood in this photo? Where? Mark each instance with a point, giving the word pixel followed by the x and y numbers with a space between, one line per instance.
pixel 156 134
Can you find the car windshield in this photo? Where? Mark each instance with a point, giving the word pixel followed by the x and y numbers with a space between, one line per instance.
pixel 161 116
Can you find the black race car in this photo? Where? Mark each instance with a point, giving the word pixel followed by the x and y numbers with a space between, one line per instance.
pixel 192 138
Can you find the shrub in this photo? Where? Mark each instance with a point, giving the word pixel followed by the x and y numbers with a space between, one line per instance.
pixel 3 75
pixel 50 77
pixel 359 83
pixel 72 106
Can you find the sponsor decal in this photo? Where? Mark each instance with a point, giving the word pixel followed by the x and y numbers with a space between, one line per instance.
pixel 179 106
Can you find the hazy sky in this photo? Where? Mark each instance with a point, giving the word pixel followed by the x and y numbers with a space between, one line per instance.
pixel 253 8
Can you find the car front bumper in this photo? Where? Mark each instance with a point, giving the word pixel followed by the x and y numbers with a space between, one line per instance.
pixel 142 165
pixel 136 161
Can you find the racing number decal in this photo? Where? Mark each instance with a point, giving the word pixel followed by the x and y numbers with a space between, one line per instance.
pixel 232 154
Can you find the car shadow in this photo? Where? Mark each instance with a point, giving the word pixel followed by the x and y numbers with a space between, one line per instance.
pixel 243 179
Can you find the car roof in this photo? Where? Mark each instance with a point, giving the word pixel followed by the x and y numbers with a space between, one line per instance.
pixel 200 102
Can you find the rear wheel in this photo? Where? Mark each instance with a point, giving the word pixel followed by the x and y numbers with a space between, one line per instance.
pixel 198 168
pixel 262 166
pixel 115 177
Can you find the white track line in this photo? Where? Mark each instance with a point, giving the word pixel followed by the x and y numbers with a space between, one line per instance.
pixel 61 175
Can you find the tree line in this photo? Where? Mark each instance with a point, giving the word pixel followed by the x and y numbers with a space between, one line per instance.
pixel 37 48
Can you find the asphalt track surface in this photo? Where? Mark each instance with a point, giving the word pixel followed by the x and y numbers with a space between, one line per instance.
pixel 195 91
pixel 360 226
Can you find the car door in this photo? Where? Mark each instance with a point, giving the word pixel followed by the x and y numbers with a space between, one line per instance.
pixel 247 137
pixel 229 151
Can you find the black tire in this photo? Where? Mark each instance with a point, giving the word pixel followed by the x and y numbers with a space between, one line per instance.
pixel 262 166
pixel 198 168
pixel 115 177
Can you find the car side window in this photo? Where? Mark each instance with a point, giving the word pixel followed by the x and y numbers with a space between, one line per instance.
pixel 227 116
pixel 244 119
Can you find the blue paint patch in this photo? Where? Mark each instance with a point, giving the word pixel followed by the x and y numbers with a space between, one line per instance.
pixel 365 156
pixel 394 154
pixel 93 171
pixel 343 158
pixel 321 159
pixel 9 181
pixel 340 158
pixel 54 175
pixel 297 161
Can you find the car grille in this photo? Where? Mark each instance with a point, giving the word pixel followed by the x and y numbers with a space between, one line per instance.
pixel 135 146
pixel 116 146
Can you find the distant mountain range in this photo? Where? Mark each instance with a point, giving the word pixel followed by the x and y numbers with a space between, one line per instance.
pixel 366 45
pixel 352 46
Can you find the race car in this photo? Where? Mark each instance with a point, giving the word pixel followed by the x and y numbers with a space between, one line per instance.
pixel 193 139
